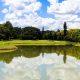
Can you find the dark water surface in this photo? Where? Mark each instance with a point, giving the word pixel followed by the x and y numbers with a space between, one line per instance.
pixel 41 63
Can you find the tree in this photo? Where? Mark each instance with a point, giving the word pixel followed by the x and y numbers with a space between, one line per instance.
pixel 65 28
pixel 8 25
pixel 16 33
pixel 30 33
pixel 8 30
pixel 54 36
pixel 43 33
pixel 50 35
pixel 73 35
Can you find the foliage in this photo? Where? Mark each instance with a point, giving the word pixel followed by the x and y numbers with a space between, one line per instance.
pixel 33 51
pixel 65 28
pixel 30 33
pixel 8 32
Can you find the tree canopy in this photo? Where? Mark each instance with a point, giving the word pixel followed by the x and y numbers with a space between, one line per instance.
pixel 8 32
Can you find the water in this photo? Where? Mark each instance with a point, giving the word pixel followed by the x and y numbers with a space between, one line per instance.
pixel 41 63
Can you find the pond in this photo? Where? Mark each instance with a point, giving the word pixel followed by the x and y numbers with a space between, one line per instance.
pixel 41 63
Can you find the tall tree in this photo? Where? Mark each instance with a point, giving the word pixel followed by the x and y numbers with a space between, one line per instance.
pixel 8 24
pixel 43 33
pixel 65 28
pixel 8 30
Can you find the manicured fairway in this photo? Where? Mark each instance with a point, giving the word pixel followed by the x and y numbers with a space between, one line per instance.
pixel 11 45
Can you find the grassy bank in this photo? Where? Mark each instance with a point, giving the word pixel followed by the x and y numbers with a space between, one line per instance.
pixel 33 43
pixel 11 45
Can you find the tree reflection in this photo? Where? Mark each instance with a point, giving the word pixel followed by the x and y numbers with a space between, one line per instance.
pixel 64 57
pixel 34 51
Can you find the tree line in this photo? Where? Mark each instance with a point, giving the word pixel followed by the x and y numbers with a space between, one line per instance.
pixel 8 32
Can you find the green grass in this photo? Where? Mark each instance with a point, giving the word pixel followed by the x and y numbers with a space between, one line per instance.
pixel 5 47
pixel 11 45
pixel 34 42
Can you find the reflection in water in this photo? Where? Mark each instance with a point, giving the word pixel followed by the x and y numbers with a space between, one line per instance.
pixel 30 52
pixel 43 72
pixel 64 56
pixel 41 63
pixel 51 67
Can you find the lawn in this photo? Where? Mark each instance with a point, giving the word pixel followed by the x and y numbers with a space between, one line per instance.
pixel 11 45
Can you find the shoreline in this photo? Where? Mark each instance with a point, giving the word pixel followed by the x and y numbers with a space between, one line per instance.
pixel 12 45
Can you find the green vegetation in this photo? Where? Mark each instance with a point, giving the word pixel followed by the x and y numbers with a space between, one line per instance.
pixel 33 43
pixel 11 45
pixel 8 32
pixel 4 47
pixel 33 51
pixel 65 29
pixel 10 36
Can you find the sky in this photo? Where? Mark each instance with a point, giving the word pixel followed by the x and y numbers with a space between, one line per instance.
pixel 50 14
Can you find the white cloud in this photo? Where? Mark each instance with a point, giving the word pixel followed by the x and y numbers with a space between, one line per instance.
pixel 22 68
pixel 53 6
pixel 33 7
pixel 67 6
pixel 67 10
pixel 33 20
pixel 5 11
pixel 24 13
pixel 73 25
pixel 23 5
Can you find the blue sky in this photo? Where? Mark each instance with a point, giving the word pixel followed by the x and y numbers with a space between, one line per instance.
pixel 49 13
pixel 1 14
pixel 42 12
